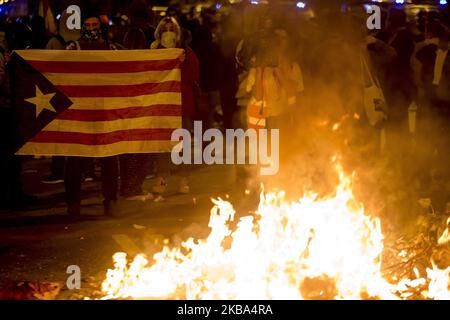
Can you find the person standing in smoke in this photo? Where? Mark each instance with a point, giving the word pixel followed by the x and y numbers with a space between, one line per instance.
pixel 229 83
pixel 434 80
pixel 211 63
pixel 275 81
pixel 91 39
pixel 398 81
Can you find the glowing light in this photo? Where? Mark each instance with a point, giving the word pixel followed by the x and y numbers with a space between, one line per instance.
pixel 399 1
pixel 254 2
pixel 218 6
pixel 301 5
pixel 58 17
pixel 442 2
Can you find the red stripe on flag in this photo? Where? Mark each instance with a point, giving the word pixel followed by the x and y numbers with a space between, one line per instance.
pixel 103 67
pixel 103 138
pixel 132 90
pixel 123 113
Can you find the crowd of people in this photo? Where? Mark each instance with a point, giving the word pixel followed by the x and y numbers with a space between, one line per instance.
pixel 260 71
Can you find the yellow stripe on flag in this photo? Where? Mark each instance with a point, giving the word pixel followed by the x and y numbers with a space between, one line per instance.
pixel 101 79
pixel 99 55
pixel 153 122
pixel 125 102
pixel 78 150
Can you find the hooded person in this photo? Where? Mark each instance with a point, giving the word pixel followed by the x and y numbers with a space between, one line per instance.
pixel 64 36
pixel 167 34
pixel 91 39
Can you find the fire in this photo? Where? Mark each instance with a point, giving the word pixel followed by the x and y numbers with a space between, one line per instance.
pixel 438 288
pixel 445 237
pixel 311 248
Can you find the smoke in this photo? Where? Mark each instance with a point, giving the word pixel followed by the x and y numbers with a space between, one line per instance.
pixel 329 120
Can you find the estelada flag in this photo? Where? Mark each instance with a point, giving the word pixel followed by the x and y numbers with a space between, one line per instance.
pixel 96 103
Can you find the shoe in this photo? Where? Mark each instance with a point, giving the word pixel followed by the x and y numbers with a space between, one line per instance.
pixel 160 186
pixel 184 186
pixel 144 196
pixel 90 178
pixel 52 179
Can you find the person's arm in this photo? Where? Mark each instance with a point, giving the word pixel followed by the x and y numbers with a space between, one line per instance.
pixel 382 52
pixel 297 77
pixel 2 70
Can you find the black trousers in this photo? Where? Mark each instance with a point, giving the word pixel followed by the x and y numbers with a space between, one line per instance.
pixel 76 166
pixel 57 166
pixel 132 173
pixel 10 164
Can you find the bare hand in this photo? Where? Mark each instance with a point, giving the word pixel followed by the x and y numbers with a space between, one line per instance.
pixel 183 57
pixel 7 57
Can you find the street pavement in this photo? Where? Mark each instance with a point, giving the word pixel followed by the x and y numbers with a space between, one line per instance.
pixel 38 245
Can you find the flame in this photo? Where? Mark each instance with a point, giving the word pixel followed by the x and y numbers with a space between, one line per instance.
pixel 311 248
pixel 438 288
pixel 445 237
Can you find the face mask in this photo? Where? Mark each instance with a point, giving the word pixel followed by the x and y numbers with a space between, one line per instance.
pixel 91 35
pixel 169 39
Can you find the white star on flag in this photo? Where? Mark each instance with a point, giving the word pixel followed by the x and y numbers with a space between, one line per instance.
pixel 41 101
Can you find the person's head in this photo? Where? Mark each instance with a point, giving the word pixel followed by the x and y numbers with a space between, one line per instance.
pixel 135 39
pixel 266 22
pixel 434 29
pixel 64 31
pixel 282 39
pixel 396 19
pixel 168 33
pixel 19 36
pixel 91 29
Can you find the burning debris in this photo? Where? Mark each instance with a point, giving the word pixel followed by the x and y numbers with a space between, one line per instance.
pixel 29 290
pixel 314 248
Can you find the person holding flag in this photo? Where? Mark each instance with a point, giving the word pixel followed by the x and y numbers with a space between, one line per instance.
pixel 91 39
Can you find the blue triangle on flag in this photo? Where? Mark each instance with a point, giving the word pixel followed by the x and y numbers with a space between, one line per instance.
pixel 36 99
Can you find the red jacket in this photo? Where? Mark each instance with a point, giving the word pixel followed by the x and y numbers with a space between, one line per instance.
pixel 189 82
pixel 190 73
